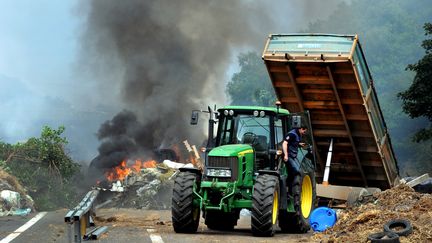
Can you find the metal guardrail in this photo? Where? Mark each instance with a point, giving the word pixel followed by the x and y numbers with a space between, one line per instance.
pixel 80 218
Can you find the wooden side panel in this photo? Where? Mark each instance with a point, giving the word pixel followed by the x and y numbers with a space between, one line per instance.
pixel 343 105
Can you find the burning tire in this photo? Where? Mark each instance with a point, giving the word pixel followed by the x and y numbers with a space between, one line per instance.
pixel 265 205
pixel 303 193
pixel 218 220
pixel 185 214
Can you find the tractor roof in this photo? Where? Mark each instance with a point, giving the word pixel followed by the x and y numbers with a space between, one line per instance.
pixel 253 108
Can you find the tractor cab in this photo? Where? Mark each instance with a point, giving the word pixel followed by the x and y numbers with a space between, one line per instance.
pixel 260 127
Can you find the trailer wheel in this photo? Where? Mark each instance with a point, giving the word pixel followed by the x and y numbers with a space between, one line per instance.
pixel 218 220
pixel 303 193
pixel 185 215
pixel 265 205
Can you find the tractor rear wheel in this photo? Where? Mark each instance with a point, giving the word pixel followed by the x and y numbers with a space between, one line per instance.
pixel 303 193
pixel 219 220
pixel 265 205
pixel 185 215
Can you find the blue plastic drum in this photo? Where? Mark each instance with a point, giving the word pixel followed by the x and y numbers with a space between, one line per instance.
pixel 322 218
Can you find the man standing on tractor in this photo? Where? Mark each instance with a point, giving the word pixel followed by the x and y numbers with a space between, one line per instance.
pixel 290 147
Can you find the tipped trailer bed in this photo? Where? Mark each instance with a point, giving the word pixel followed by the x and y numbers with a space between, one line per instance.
pixel 328 75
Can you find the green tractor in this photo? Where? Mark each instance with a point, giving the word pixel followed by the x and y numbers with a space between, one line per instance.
pixel 244 169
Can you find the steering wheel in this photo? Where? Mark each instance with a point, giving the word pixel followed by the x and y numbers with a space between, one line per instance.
pixel 249 138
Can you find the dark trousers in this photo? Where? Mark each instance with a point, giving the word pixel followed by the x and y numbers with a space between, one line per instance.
pixel 293 166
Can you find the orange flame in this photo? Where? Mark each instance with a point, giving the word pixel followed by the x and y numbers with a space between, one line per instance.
pixel 120 172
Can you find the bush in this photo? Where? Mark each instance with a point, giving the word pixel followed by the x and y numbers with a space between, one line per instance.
pixel 44 168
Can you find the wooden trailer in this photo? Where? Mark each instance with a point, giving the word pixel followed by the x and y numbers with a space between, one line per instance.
pixel 328 75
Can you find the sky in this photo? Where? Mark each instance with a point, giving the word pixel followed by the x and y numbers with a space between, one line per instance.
pixel 43 83
pixel 39 42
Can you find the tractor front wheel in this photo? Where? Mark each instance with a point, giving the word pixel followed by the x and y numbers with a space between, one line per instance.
pixel 185 215
pixel 265 205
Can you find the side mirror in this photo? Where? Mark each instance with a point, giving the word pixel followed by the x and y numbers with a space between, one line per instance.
pixel 296 121
pixel 194 117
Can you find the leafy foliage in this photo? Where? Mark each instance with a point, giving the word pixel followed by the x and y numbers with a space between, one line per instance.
pixel 417 99
pixel 251 86
pixel 43 167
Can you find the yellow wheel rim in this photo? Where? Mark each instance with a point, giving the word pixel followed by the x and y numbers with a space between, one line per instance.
pixel 306 196
pixel 275 207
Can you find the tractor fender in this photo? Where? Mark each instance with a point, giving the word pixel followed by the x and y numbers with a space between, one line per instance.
pixel 192 170
pixel 269 172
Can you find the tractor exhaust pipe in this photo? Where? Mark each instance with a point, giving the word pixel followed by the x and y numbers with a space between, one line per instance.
pixel 212 121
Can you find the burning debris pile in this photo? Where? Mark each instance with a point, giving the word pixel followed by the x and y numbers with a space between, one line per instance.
pixel 13 197
pixel 143 184
pixel 401 202
pixel 139 185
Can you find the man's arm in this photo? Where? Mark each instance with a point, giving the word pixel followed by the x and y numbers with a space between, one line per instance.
pixel 285 149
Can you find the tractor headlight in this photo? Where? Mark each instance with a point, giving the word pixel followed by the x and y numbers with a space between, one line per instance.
pixel 219 172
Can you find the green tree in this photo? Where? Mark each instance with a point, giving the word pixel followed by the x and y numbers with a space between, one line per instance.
pixel 42 165
pixel 417 99
pixel 251 86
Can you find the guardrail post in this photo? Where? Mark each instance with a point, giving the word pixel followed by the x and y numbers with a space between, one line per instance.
pixel 80 218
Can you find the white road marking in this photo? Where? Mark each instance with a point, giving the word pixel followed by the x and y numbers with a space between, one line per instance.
pixel 155 238
pixel 23 228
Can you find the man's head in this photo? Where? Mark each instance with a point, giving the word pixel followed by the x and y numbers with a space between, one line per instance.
pixel 302 130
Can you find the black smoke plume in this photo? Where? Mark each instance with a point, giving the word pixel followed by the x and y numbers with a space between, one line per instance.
pixel 166 58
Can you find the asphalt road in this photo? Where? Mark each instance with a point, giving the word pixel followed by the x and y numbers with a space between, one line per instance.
pixel 131 225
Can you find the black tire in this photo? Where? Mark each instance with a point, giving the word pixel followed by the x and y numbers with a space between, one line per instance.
pixel 265 205
pixel 384 237
pixel 185 216
pixel 298 222
pixel 405 224
pixel 218 220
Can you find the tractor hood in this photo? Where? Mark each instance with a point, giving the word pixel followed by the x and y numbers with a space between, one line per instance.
pixel 231 150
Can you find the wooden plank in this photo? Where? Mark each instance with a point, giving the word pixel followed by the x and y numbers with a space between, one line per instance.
pixel 289 100
pixel 372 163
pixel 368 149
pixel 330 133
pixel 343 71
pixel 369 177
pixel 280 84
pixel 327 122
pixel 306 79
pixel 336 144
pixel 348 130
pixel 319 103
pixel 352 101
pixel 317 91
pixel 277 69
pixel 357 117
pixel 296 90
pixel 364 134
pixel 352 86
